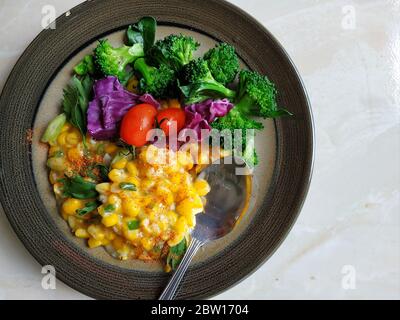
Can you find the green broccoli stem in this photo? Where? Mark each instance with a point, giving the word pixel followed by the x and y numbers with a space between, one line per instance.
pixel 246 105
pixel 129 54
pixel 207 89
pixel 145 70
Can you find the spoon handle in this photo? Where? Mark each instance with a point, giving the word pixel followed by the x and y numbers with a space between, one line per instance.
pixel 173 284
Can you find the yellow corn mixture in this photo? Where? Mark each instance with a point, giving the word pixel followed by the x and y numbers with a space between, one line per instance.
pixel 146 204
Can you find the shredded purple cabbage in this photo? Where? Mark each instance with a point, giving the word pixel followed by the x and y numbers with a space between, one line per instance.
pixel 200 115
pixel 111 102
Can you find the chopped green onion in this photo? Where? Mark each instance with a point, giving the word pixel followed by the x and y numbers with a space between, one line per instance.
pixel 109 208
pixel 133 225
pixel 89 207
pixel 127 186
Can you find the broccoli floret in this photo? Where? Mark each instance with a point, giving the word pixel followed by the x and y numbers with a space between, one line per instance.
pixel 223 63
pixel 174 50
pixel 257 96
pixel 113 61
pixel 235 120
pixel 249 154
pixel 159 82
pixel 201 85
pixel 86 66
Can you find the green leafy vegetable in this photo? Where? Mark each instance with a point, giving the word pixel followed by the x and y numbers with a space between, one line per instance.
pixel 89 207
pixel 176 253
pixel 86 66
pixel 133 224
pixel 76 101
pixel 78 188
pixel 54 128
pixel 102 175
pixel 127 186
pixel 143 32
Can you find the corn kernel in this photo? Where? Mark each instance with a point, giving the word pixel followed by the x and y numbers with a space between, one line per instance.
pixel 93 243
pixel 82 233
pixel 71 205
pixel 114 200
pixel 202 187
pixel 56 164
pixel 110 148
pixel 130 207
pixel 132 84
pixel 177 238
pixel 185 160
pixel 103 187
pixel 118 243
pixel 132 235
pixel 74 154
pixel 61 139
pixel 66 127
pixel 53 177
pixel 147 184
pixel 73 138
pixel 172 217
pixel 132 169
pixel 174 103
pixel 110 220
pixel 72 222
pixel 148 243
pixel 181 225
pixel 96 232
pixel 191 220
pixel 120 164
pixel 117 175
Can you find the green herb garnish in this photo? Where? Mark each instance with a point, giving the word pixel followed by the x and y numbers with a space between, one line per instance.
pixel 133 225
pixel 127 186
pixel 75 103
pixel 78 188
pixel 176 253
pixel 109 208
pixel 89 207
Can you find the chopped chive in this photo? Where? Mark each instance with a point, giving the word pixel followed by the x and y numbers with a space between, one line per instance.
pixel 133 225
pixel 109 208
pixel 127 186
pixel 89 207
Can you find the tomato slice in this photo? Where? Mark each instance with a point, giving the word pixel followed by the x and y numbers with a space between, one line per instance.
pixel 137 122
pixel 167 117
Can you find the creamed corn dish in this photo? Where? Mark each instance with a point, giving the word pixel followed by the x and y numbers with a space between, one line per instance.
pixel 147 205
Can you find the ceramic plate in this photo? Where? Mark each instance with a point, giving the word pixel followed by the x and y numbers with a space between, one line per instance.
pixel 32 97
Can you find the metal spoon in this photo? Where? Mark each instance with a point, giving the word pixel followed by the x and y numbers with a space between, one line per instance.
pixel 228 179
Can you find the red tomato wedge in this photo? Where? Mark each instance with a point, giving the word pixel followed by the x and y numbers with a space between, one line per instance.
pixel 137 122
pixel 166 118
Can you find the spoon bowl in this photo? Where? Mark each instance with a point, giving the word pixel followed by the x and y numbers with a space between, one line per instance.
pixel 228 180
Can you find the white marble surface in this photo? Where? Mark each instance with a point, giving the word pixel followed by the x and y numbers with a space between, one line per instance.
pixel 351 217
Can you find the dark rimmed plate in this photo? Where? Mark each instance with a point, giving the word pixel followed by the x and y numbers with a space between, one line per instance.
pixel 31 96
